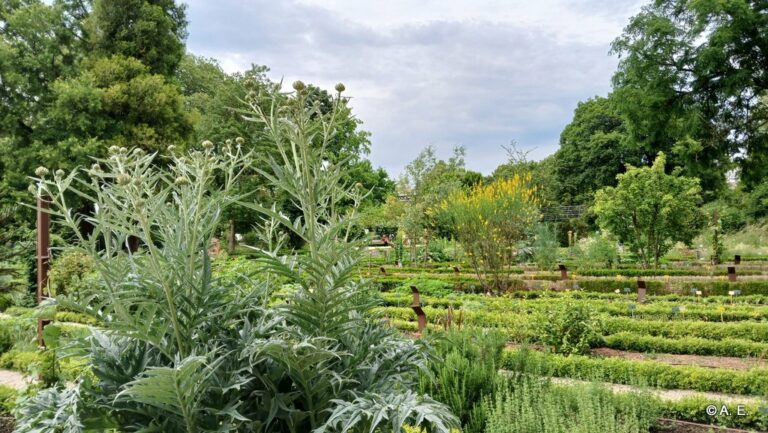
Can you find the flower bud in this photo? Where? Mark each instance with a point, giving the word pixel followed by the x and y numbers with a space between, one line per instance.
pixel 139 204
pixel 228 142
pixel 138 152
pixel 340 87
pixel 123 151
pixel 182 180
pixel 41 171
pixel 32 189
pixel 299 85
pixel 123 179
pixel 96 168
pixel 239 141
pixel 113 150
pixel 59 173
pixel 171 148
pixel 207 144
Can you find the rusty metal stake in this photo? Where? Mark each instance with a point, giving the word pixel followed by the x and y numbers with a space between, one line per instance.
pixel 382 270
pixel 563 272
pixel 641 290
pixel 737 259
pixel 416 306
pixel 732 273
pixel 43 259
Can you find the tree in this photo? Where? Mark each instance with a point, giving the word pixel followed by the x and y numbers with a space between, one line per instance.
pixel 650 210
pixel 690 82
pixel 151 31
pixel 593 150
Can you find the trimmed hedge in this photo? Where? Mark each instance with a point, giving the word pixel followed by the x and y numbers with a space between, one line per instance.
pixel 650 373
pixel 694 409
pixel 688 328
pixel 686 345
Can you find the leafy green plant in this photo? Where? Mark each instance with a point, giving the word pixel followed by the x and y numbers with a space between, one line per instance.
pixel 68 270
pixel 531 405
pixel 545 247
pixel 464 373
pixel 568 327
pixel 184 351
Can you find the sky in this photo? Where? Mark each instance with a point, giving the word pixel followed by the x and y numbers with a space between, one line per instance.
pixel 475 73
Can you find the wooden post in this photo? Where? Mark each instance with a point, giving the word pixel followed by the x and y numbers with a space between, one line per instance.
pixel 449 318
pixel 456 270
pixel 641 290
pixel 416 306
pixel 43 259
pixel 731 273
pixel 737 259
pixel 231 240
pixel 563 272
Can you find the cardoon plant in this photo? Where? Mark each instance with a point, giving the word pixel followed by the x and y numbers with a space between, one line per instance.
pixel 181 351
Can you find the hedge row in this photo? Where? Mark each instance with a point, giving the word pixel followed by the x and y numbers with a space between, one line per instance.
pixel 629 372
pixel 469 284
pixel 689 328
pixel 686 345
pixel 694 409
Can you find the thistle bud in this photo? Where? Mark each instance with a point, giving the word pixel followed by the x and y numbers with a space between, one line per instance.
pixel 182 180
pixel 41 171
pixel 207 145
pixel 96 168
pixel 123 151
pixel 299 85
pixel 32 189
pixel 228 142
pixel 249 84
pixel 251 96
pixel 138 152
pixel 123 179
pixel 171 148
pixel 59 174
pixel 113 150
pixel 340 87
pixel 139 204
pixel 358 186
pixel 239 141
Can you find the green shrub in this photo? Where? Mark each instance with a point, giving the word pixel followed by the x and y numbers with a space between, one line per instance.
pixel 7 399
pixel 568 327
pixel 694 409
pixel 67 271
pixel 527 404
pixel 686 345
pixel 465 373
pixel 545 247
pixel 651 373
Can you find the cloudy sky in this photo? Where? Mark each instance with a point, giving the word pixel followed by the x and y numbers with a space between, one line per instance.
pixel 477 73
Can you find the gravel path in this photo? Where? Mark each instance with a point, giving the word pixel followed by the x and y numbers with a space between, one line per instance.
pixel 14 379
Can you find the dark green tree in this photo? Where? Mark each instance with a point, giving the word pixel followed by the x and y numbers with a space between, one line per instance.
pixel 691 81
pixel 593 150
pixel 152 31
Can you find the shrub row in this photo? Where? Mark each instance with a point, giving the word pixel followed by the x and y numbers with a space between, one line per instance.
pixel 686 345
pixel 629 372
pixel 694 409
pixel 689 328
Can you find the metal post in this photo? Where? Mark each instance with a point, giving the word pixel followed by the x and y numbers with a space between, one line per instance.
pixel 382 270
pixel 43 259
pixel 737 259
pixel 641 290
pixel 731 273
pixel 416 306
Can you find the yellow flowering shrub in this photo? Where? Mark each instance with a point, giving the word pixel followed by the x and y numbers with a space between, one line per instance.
pixel 490 220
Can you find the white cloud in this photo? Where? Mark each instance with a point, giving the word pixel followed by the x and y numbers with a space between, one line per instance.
pixel 477 73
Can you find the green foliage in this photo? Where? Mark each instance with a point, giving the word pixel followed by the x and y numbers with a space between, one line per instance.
pixel 545 247
pixel 465 374
pixel 568 328
pixel 593 150
pixel 650 210
pixel 67 270
pixel 533 405
pixel 680 93
pixel 7 399
pixel 650 373
pixel 152 32
pixel 321 361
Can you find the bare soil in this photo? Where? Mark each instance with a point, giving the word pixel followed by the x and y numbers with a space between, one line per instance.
pixel 677 426
pixel 697 360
